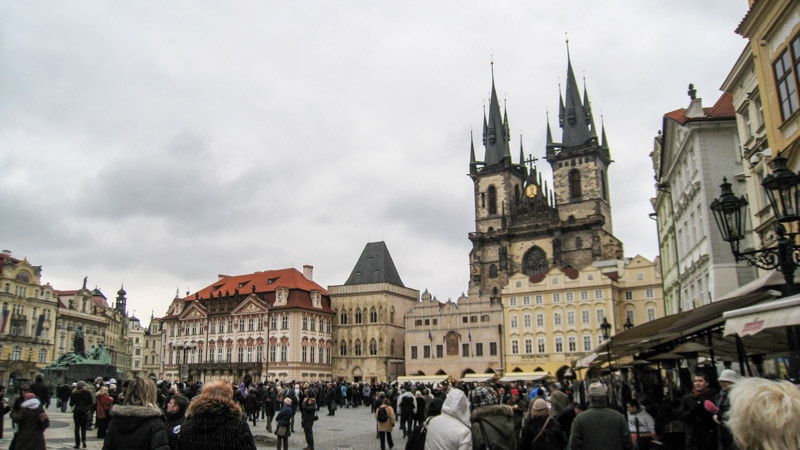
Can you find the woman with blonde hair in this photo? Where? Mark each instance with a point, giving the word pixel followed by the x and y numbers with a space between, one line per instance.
pixel 214 421
pixel 765 414
pixel 137 423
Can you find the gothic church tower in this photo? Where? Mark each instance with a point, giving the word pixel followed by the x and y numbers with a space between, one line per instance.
pixel 523 226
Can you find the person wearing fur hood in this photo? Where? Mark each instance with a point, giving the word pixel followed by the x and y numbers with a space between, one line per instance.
pixel 450 429
pixel 492 423
pixel 137 423
pixel 31 422
pixel 214 421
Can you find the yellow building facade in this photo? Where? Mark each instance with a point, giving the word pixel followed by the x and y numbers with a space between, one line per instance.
pixel 553 319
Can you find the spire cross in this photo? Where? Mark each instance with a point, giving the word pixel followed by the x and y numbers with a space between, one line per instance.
pixel 531 160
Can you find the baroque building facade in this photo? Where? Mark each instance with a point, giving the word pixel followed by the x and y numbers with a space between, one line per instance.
pixel 523 226
pixel 29 310
pixel 152 361
pixel 369 333
pixel 554 318
pixel 274 325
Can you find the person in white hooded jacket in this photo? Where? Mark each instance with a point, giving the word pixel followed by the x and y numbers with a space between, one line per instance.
pixel 451 429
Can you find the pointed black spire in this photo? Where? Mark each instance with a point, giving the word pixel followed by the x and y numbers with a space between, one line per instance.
pixel 473 163
pixel 575 125
pixel 496 133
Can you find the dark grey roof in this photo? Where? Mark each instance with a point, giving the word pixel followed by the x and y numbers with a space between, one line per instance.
pixel 375 265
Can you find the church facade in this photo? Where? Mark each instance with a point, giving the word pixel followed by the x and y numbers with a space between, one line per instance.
pixel 522 225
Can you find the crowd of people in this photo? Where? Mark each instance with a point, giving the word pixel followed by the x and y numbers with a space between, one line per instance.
pixel 743 414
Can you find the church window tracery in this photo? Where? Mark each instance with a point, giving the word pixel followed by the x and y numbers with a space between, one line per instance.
pixel 534 261
pixel 574 183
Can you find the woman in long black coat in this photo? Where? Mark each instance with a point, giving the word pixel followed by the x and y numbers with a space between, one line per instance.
pixel 541 431
pixel 214 421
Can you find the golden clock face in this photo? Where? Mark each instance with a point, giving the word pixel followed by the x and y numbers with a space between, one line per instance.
pixel 531 190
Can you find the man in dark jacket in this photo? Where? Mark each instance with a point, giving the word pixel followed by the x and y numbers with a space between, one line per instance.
pixel 407 407
pixel 492 424
pixel 600 427
pixel 308 414
pixel 176 415
pixel 41 391
pixel 702 428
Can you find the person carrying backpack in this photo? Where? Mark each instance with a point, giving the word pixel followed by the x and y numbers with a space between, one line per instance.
pixel 386 420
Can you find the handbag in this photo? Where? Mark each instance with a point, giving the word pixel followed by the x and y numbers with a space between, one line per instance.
pixel 282 431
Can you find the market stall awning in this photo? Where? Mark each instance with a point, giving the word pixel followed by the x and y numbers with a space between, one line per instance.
pixel 524 376
pixel 424 379
pixel 478 377
pixel 757 318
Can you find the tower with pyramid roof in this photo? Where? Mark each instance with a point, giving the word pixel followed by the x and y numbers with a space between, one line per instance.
pixel 369 331
pixel 522 224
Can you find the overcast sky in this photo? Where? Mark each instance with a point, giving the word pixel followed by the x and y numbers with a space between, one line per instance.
pixel 157 145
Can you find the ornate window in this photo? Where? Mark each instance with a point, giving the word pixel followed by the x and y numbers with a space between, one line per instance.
pixel 357 351
pixel 373 347
pixel 373 315
pixel 493 271
pixel 358 316
pixel 535 261
pixel 343 318
pixel 343 349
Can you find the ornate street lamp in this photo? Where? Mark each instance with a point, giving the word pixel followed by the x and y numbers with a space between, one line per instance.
pixel 781 187
pixel 605 328
pixel 628 324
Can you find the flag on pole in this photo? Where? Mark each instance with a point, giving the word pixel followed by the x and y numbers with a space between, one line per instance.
pixel 6 314
pixel 40 326
pixel 430 336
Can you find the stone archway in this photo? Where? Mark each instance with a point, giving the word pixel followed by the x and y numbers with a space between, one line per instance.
pixel 358 375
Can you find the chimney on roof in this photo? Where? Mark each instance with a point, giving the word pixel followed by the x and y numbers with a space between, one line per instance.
pixel 308 272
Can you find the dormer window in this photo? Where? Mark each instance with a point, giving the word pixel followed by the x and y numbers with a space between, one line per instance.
pixel 281 296
pixel 316 299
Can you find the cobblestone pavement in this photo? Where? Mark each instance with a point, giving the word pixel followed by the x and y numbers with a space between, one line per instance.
pixel 350 428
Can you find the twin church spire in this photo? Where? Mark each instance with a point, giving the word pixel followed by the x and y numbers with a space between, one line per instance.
pixel 575 119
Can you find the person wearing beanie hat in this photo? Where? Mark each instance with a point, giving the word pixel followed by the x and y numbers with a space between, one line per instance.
pixel 720 407
pixel 541 431
pixel 283 423
pixel 31 421
pixel 491 422
pixel 600 427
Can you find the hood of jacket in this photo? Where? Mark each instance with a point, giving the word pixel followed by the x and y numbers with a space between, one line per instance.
pixel 128 418
pixel 32 403
pixel 456 405
pixel 491 410
pixel 209 414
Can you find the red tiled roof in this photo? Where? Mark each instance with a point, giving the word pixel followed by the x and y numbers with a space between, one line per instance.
pixel 264 282
pixel 571 272
pixel 722 109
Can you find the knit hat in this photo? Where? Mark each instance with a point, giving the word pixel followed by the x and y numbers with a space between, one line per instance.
pixel 483 396
pixel 540 404
pixel 597 390
pixel 729 376
pixel 515 392
pixel 28 395
pixel 287 401
pixel 81 384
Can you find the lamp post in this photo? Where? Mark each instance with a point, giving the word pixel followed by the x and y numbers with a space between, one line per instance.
pixel 781 188
pixel 605 327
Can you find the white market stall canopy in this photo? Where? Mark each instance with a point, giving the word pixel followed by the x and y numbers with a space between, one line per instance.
pixel 478 377
pixel 424 379
pixel 524 376
pixel 757 318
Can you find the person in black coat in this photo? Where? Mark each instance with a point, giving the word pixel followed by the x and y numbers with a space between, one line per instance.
pixel 308 414
pixel 4 408
pixel 541 431
pixel 82 402
pixel 215 422
pixel 702 428
pixel 137 424
pixel 251 405
pixel 176 416
pixel 41 391
pixel 283 419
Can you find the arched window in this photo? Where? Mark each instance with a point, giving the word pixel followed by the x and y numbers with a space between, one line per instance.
pixel 343 318
pixel 373 347
pixel 357 350
pixel 493 271
pixel 535 261
pixel 391 347
pixel 373 315
pixel 358 316
pixel 42 355
pixel 603 185
pixel 391 315
pixel 492 200
pixel 343 349
pixel 574 183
